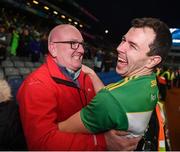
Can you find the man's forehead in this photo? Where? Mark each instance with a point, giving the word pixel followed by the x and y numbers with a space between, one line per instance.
pixel 143 34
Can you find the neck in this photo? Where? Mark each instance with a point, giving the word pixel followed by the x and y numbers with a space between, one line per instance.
pixel 140 72
pixel 72 74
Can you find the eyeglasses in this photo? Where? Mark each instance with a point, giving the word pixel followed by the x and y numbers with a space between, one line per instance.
pixel 74 44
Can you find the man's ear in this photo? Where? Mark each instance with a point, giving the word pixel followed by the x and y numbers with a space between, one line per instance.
pixel 52 49
pixel 153 61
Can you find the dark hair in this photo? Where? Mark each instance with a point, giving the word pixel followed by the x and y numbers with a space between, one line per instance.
pixel 163 39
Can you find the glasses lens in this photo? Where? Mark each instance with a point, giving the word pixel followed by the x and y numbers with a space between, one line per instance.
pixel 75 45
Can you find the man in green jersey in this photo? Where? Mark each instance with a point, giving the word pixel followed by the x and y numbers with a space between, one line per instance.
pixel 127 104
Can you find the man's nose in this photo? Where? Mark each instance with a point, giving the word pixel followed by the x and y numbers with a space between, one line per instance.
pixel 122 47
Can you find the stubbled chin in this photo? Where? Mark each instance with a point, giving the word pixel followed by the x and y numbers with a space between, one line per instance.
pixel 121 68
pixel 76 63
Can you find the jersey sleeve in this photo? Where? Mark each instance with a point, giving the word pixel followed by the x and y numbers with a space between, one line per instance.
pixel 104 113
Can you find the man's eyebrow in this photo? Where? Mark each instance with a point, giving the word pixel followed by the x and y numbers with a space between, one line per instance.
pixel 134 44
pixel 131 42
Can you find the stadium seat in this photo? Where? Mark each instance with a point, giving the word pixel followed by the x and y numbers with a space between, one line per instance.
pixel 28 64
pixel 24 70
pixel 11 71
pixel 7 63
pixel 37 64
pixel 18 64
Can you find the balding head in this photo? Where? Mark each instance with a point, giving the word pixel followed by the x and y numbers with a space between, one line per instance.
pixel 62 31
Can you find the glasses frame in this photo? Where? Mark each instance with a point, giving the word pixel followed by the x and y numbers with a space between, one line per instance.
pixel 74 44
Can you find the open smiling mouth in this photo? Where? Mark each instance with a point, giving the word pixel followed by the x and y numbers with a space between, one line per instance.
pixel 122 61
pixel 77 57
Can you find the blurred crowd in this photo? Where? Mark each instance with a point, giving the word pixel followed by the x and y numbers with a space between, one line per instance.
pixel 19 37
pixel 167 78
pixel 22 36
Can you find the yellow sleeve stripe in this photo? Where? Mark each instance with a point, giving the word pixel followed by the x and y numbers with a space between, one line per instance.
pixel 120 84
pixel 111 85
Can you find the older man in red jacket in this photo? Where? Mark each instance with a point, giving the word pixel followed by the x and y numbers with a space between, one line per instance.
pixel 57 90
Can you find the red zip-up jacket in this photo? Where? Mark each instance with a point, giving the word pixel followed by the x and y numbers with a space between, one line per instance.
pixel 47 97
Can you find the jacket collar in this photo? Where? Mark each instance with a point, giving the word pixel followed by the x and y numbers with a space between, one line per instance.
pixel 54 69
pixel 55 73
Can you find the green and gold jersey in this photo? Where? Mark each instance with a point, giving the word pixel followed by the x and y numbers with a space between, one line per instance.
pixel 125 105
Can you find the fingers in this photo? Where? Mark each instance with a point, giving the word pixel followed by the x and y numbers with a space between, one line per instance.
pixel 120 133
pixel 127 135
pixel 130 144
pixel 118 140
pixel 134 142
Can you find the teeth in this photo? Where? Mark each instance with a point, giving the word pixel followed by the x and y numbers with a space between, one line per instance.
pixel 121 60
pixel 76 57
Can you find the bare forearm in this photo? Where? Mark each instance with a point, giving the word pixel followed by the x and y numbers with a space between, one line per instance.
pixel 97 83
pixel 73 124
